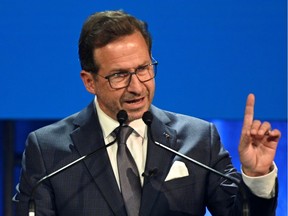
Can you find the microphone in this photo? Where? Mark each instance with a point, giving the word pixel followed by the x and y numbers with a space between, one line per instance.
pixel 148 118
pixel 150 173
pixel 122 117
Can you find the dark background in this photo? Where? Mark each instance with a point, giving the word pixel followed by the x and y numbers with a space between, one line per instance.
pixel 211 55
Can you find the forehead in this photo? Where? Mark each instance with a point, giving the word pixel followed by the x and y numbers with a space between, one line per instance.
pixel 126 52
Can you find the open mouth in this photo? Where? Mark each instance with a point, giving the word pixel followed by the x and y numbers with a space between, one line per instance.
pixel 135 101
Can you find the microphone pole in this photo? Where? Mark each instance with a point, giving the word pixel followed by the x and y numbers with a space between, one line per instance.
pixel 121 117
pixel 148 118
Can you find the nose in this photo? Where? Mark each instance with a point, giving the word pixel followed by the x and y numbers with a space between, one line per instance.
pixel 135 85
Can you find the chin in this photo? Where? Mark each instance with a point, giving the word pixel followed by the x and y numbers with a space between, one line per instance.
pixel 135 115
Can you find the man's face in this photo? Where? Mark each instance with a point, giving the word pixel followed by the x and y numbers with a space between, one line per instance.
pixel 126 53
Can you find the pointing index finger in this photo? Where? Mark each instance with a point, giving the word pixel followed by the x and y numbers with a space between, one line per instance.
pixel 249 112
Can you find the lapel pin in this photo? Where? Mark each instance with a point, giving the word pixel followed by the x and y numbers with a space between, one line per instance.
pixel 166 135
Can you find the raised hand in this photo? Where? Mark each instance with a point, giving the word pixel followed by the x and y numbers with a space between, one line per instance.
pixel 258 143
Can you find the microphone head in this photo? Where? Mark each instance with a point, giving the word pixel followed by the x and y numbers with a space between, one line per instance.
pixel 147 118
pixel 122 117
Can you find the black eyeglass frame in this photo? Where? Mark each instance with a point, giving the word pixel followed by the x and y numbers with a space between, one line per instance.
pixel 154 63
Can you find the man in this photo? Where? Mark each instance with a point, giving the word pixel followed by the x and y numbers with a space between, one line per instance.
pixel 117 67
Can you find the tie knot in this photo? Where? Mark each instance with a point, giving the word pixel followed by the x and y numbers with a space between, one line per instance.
pixel 125 132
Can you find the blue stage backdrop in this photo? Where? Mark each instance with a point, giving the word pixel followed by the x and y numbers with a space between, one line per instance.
pixel 211 55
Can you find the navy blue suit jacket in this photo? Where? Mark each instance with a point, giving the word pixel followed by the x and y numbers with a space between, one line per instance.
pixel 90 188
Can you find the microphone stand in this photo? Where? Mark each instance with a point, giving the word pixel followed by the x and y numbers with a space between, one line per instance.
pixel 245 208
pixel 121 117
pixel 148 117
pixel 31 202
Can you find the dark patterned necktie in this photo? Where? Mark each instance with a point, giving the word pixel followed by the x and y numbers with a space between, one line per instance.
pixel 128 174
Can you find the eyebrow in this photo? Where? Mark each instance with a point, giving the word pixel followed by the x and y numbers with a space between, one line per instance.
pixel 127 69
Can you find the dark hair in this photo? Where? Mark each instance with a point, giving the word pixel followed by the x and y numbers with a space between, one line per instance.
pixel 105 27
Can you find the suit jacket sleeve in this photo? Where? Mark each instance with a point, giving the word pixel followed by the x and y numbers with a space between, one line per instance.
pixel 33 169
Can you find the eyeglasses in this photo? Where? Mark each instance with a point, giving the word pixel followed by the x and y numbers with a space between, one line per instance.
pixel 122 78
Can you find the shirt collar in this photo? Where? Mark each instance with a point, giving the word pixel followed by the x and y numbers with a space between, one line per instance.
pixel 106 122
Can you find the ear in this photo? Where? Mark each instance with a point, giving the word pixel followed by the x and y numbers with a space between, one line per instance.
pixel 88 81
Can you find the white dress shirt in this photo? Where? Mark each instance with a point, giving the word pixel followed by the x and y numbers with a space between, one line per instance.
pixel 136 142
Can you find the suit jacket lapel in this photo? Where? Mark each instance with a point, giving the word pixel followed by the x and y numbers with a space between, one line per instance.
pixel 87 138
pixel 157 158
